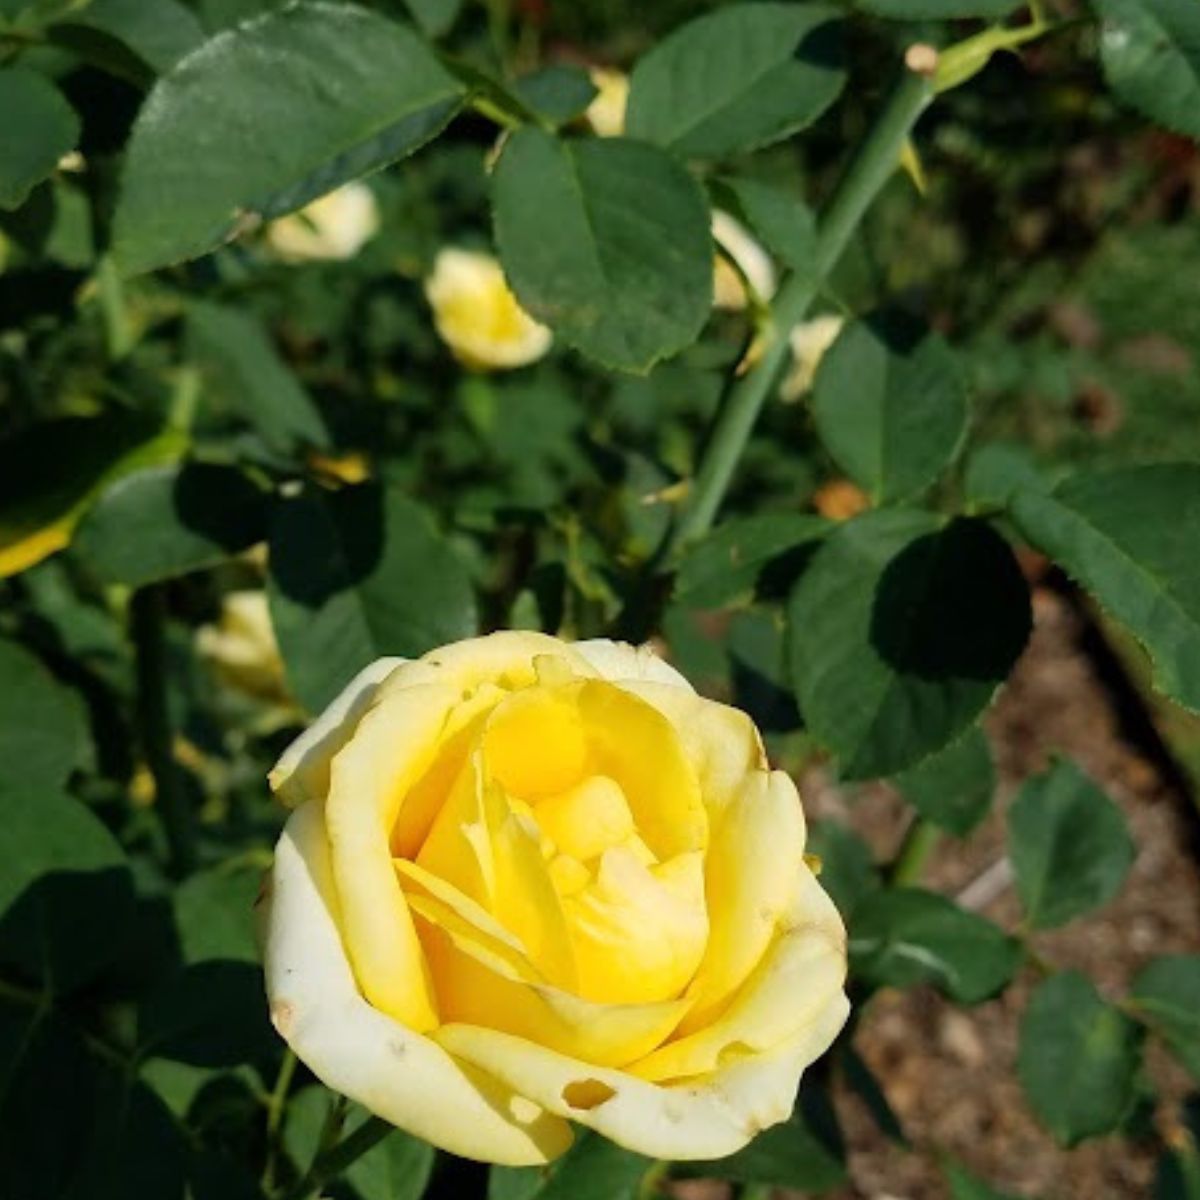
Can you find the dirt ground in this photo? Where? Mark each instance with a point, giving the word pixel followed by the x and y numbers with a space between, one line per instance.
pixel 949 1072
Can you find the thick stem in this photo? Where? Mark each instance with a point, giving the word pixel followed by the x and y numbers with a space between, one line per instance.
pixel 869 170
pixel 147 620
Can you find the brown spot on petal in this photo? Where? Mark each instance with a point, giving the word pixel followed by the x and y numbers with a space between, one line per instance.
pixel 586 1094
pixel 283 1017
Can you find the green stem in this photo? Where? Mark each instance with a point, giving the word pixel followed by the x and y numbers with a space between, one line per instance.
pixel 871 167
pixel 118 334
pixel 756 1191
pixel 147 620
pixel 332 1162
pixel 919 843
pixel 276 1103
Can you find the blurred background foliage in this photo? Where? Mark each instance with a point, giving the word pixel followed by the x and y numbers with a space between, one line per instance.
pixel 158 433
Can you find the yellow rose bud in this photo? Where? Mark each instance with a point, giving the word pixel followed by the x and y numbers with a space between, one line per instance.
pixel 336 226
pixel 809 341
pixel 242 649
pixel 606 113
pixel 530 882
pixel 478 317
pixel 752 260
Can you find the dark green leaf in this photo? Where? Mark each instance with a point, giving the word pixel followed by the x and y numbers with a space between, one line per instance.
pixel 136 39
pixel 1077 1058
pixel 954 787
pixel 1151 55
pixel 66 898
pixel 434 16
pixel 593 1169
pixel 866 1085
pixel 1069 846
pixel 356 575
pixel 995 472
pixel 901 629
pixel 39 128
pixel 964 1186
pixel 334 92
pixel 848 871
pixel 243 367
pixel 725 566
pixel 904 936
pixel 938 10
pixel 780 218
pixel 560 93
pixel 214 915
pixel 605 240
pixel 165 521
pixel 42 725
pixel 737 79
pixel 1165 994
pixel 1126 535
pixel 890 405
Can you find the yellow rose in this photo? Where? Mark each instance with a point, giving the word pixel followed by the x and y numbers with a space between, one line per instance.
pixel 752 260
pixel 606 113
pixel 335 227
pixel 809 341
pixel 530 882
pixel 242 647
pixel 478 317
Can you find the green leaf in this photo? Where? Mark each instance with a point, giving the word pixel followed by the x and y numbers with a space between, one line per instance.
pixel 42 725
pixel 901 629
pixel 434 16
pixel 51 472
pixel 890 405
pixel 558 92
pixel 1164 996
pixel 902 937
pixel 214 915
pixel 848 871
pixel 964 1186
pixel 725 566
pixel 335 92
pixel 938 10
pixel 1126 535
pixel 164 521
pixel 136 39
pixel 737 79
pixel 242 366
pixel 1151 55
pixel 356 575
pixel 779 217
pixel 1069 846
pixel 605 240
pixel 1077 1058
pixel 66 896
pixel 39 128
pixel 997 471
pixel 592 1169
pixel 954 787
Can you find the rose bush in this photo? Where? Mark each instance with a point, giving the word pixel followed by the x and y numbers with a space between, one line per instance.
pixel 529 882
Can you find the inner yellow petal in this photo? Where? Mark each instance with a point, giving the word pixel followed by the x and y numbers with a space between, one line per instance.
pixel 534 743
pixel 588 819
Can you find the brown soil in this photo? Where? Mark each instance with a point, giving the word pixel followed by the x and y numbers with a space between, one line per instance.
pixel 949 1072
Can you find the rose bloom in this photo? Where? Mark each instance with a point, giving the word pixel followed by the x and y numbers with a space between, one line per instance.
pixel 241 646
pixel 335 227
pixel 529 882
pixel 606 113
pixel 478 317
pixel 735 240
pixel 809 341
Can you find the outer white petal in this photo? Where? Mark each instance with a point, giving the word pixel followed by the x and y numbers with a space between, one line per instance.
pixel 356 1050
pixel 687 1120
pixel 302 772
pixel 619 662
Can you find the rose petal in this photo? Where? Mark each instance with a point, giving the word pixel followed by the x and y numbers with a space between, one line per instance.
pixel 619 662
pixel 504 658
pixel 302 772
pixel 405 1078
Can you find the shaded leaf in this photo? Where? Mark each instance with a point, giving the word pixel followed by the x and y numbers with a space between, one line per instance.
pixel 1077 1058
pixel 848 871
pixel 1069 846
pixel 780 218
pixel 1164 995
pixel 737 79
pixel 901 629
pixel 39 128
pixel 954 787
pixel 605 240
pixel 902 937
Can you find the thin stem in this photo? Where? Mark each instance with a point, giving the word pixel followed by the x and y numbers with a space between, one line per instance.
pixel 868 171
pixel 118 334
pixel 332 1162
pixel 276 1103
pixel 147 620
pixel 919 843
